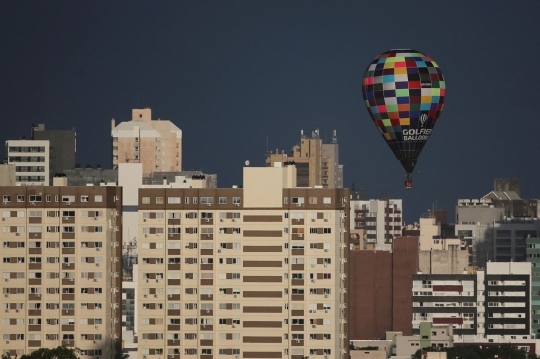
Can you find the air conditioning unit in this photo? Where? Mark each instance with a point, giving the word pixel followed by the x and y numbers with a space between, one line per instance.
pixel 326 264
pixel 219 250
pixel 313 280
pixel 208 204
pixel 145 296
pixel 326 250
pixel 68 203
pixel 237 204
pixel 155 295
pixel 67 264
pixel 67 311
pixel 6 295
pixel 7 280
pixel 207 220
pixel 72 279
pixel 326 310
pixel 234 220
pixel 17 234
pixel 221 219
pixel 297 341
pixel 326 220
pixel 98 248
pixel 312 220
pixel 146 236
pixel 326 295
pixel 95 279
pixel 7 310
pixel 65 218
pixel 97 264
pixel 95 218
pixel 234 296
pixel 97 326
pixel 7 341
pixel 16 310
pixel 300 235
pixel 314 326
pixel 234 325
pixel 170 235
pixel 144 219
pixel 38 295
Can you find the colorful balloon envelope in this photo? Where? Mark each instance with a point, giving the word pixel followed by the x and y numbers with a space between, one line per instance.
pixel 404 93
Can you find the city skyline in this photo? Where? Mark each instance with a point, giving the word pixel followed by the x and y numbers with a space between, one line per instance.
pixel 231 75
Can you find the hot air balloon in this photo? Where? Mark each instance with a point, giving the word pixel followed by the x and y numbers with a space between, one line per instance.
pixel 404 94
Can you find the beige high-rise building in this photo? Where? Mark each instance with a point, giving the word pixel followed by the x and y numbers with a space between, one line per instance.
pixel 61 269
pixel 252 272
pixel 157 144
pixel 317 163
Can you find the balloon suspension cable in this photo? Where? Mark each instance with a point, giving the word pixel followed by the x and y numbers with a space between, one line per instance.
pixel 408 181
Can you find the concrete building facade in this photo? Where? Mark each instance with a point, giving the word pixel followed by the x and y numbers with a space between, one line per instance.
pixel 380 285
pixel 533 257
pixel 252 272
pixel 493 304
pixel 7 175
pixel 317 163
pixel 62 148
pixel 31 160
pixel 380 221
pixel 157 144
pixel 60 269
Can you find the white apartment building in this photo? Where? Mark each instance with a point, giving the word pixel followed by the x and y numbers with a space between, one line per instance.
pixel 491 305
pixel 252 272
pixel 380 220
pixel 31 158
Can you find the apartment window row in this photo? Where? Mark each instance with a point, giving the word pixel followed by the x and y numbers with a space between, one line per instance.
pixel 193 200
pixel 301 201
pixel 49 198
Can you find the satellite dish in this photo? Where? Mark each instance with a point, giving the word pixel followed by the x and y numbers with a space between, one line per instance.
pixel 247 163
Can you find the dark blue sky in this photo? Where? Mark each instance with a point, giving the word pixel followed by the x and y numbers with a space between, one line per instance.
pixel 230 73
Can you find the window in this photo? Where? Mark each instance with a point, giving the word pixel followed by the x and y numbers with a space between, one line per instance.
pixel 327 200
pixel 146 200
pixel 159 200
pixel 20 198
pixel 6 198
pixel 222 200
pixel 207 200
pixel 312 200
pixel 297 200
pixel 84 198
pixel 174 200
pixel 236 200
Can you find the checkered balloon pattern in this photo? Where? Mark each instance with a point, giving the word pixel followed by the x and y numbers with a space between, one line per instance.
pixel 404 93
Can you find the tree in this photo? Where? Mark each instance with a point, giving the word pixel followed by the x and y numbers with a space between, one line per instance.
pixel 53 353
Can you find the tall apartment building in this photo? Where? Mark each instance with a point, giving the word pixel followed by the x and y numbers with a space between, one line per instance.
pixel 252 272
pixel 62 148
pixel 533 257
pixel 317 162
pixel 61 269
pixel 379 220
pixel 493 304
pixel 31 160
pixel 157 144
